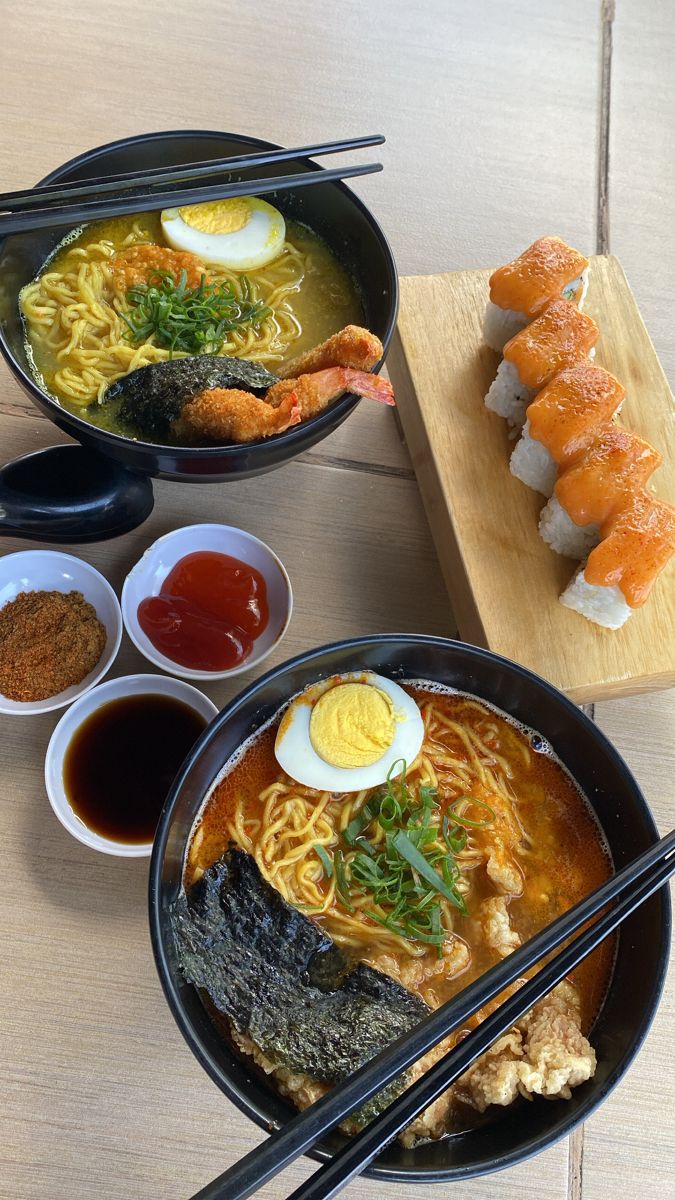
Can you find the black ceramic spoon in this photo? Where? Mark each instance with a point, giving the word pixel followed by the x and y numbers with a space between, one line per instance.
pixel 71 494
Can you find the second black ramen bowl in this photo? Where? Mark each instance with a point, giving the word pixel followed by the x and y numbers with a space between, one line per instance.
pixel 642 946
pixel 330 210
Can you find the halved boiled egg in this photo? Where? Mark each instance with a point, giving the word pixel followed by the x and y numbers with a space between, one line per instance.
pixel 348 732
pixel 242 233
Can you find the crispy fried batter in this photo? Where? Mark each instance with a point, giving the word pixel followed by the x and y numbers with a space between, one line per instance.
pixel 496 925
pixel 545 1055
pixel 316 391
pixel 231 415
pixel 351 347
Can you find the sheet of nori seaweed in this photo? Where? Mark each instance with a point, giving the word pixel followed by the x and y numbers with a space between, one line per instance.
pixel 281 980
pixel 153 396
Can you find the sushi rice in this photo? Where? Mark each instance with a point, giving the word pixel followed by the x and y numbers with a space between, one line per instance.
pixel 501 324
pixel 508 397
pixel 603 605
pixel 532 464
pixel 560 532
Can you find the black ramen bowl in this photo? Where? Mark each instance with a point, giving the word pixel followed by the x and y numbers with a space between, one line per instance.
pixel 330 210
pixel 642 951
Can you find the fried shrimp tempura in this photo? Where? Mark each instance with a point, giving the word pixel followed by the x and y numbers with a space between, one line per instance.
pixel 351 347
pixel 230 415
pixel 316 391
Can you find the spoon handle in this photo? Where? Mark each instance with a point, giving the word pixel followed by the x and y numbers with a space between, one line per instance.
pixel 70 494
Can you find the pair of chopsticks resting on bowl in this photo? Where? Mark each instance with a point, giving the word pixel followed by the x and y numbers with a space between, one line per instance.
pixel 115 195
pixel 624 892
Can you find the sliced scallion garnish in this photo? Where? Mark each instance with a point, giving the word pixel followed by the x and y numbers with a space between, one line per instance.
pixel 463 803
pixel 326 860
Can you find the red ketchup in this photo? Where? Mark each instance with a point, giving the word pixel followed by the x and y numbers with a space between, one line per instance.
pixel 210 609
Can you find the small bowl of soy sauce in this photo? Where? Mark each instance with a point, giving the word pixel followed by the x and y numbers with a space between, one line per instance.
pixel 114 754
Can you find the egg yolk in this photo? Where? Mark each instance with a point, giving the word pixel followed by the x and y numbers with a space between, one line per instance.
pixel 352 725
pixel 217 216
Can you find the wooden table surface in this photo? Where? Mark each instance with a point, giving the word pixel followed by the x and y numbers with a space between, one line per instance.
pixel 504 121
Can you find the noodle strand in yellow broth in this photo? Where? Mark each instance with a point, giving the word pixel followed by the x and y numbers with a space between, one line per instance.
pixel 80 343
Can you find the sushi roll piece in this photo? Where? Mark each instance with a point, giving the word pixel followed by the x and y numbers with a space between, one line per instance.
pixel 560 337
pixel 586 495
pixel 637 543
pixel 562 422
pixel 519 292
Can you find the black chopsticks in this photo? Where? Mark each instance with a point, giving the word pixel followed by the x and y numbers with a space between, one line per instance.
pixel 627 889
pixel 110 196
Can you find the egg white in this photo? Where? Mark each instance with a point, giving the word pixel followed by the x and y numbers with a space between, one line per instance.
pixel 257 243
pixel 298 758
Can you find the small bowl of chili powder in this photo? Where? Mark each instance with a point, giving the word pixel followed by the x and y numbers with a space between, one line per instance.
pixel 60 630
pixel 207 601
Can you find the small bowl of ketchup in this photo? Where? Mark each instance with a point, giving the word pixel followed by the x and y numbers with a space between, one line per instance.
pixel 207 602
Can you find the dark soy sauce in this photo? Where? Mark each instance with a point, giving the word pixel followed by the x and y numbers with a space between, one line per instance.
pixel 122 760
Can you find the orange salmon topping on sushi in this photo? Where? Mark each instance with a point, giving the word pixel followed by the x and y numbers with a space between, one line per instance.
pixel 537 276
pixel 560 337
pixel 569 412
pixel 637 543
pixel 618 461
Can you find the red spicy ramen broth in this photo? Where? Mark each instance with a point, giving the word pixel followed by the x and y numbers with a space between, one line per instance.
pixel 541 853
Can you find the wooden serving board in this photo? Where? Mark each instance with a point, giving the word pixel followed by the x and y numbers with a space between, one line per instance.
pixel 503 581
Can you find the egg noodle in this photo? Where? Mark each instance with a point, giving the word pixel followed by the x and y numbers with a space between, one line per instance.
pixel 457 758
pixel 72 312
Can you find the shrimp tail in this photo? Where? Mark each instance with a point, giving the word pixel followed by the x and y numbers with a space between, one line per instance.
pixel 371 387
pixel 316 391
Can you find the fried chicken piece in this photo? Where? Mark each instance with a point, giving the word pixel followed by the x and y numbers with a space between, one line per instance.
pixel 499 842
pixel 231 415
pixel 414 973
pixel 351 347
pixel 494 918
pixel 546 1054
pixel 316 391
pixel 138 263
pixel 502 869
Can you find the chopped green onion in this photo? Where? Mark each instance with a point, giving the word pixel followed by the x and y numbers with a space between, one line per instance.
pixel 407 871
pixel 341 880
pixel 460 819
pixel 192 320
pixel 326 860
pixel 419 863
pixel 390 811
pixel 360 822
pixel 455 839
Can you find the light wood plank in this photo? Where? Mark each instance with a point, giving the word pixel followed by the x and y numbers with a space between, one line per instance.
pixel 337 75
pixel 642 162
pixel 631 1139
pixel 503 580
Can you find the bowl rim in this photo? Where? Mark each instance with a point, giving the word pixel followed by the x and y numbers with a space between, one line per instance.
pixel 291 437
pixel 533 1144
pixel 145 646
pixel 35 708
pixel 144 684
